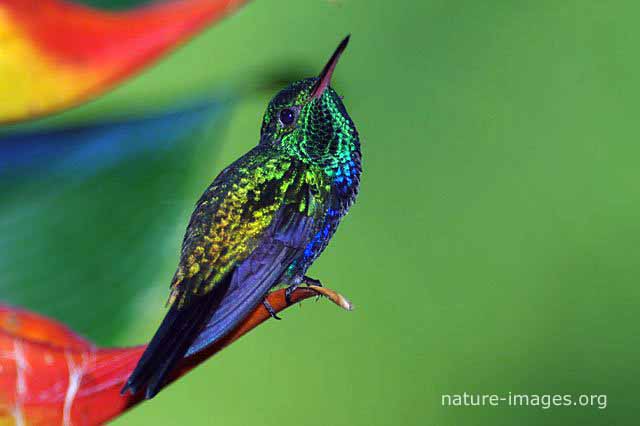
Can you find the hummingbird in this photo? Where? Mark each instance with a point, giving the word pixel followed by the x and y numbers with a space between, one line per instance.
pixel 261 223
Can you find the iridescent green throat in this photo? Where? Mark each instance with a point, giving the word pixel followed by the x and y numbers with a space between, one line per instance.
pixel 322 134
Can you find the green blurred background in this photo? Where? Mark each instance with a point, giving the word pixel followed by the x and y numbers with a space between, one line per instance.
pixel 493 249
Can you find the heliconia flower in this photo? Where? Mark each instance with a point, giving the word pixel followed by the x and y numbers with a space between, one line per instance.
pixel 55 54
pixel 105 175
pixel 51 376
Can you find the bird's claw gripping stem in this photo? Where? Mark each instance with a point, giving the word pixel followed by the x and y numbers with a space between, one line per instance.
pixel 312 281
pixel 306 280
pixel 288 292
pixel 317 287
pixel 269 308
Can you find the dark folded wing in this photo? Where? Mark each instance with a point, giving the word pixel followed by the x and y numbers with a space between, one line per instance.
pixel 230 221
pixel 283 242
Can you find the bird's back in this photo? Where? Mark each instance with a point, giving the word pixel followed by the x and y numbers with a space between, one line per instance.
pixel 230 218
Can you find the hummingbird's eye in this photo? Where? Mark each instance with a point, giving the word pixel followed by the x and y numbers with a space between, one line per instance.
pixel 287 117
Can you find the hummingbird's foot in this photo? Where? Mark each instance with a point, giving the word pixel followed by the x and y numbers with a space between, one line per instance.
pixel 311 281
pixel 270 309
pixel 288 292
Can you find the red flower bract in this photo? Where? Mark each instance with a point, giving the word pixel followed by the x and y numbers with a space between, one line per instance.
pixel 51 376
pixel 57 54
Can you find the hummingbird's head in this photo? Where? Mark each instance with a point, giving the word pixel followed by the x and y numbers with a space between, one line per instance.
pixel 309 120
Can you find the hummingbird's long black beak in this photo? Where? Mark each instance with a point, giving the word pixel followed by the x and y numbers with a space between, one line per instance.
pixel 327 71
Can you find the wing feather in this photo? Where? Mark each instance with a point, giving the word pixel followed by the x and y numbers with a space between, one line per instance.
pixel 229 221
pixel 252 279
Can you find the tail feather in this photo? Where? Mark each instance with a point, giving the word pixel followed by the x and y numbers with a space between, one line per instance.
pixel 178 330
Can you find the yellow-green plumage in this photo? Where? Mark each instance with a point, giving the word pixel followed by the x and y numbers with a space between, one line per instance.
pixel 234 211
